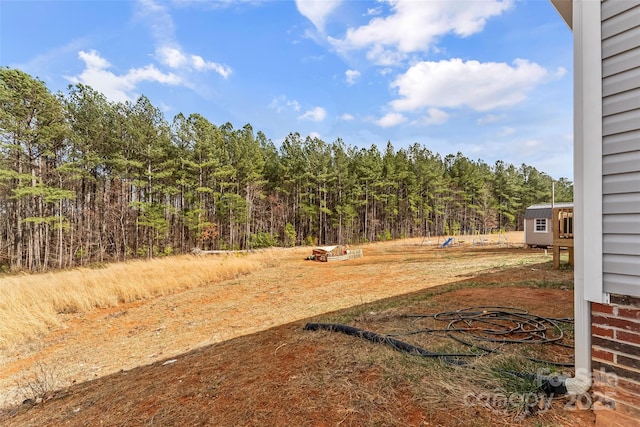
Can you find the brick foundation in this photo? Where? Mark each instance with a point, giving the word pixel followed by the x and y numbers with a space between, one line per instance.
pixel 615 356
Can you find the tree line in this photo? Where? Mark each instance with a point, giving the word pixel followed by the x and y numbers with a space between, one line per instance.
pixel 84 180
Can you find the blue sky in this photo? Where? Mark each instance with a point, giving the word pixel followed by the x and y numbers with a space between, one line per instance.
pixel 491 79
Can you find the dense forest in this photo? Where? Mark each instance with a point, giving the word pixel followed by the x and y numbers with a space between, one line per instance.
pixel 85 180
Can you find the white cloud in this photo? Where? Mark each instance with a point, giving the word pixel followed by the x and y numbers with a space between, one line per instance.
pixel 415 26
pixel 159 20
pixel 506 131
pixel 454 83
pixel 373 11
pixel 490 118
pixel 391 119
pixel 352 76
pixel 528 148
pixel 316 114
pixel 560 72
pixel 201 65
pixel 121 88
pixel 118 88
pixel 314 135
pixel 174 58
pixel 168 50
pixel 346 117
pixel 212 4
pixel 281 103
pixel 317 11
pixel 171 57
pixel 539 152
pixel 150 73
pixel 435 117
pixel 93 60
pixel 312 58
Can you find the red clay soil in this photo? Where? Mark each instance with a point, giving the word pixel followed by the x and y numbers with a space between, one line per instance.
pixel 281 375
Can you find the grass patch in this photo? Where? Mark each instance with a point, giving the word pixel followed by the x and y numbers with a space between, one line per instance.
pixel 501 384
pixel 31 305
pixel 346 316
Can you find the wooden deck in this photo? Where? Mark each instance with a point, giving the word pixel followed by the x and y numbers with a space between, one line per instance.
pixel 562 234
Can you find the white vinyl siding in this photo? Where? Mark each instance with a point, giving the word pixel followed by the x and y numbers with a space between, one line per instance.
pixel 621 146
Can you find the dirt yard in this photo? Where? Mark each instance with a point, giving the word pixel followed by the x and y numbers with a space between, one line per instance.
pixel 235 353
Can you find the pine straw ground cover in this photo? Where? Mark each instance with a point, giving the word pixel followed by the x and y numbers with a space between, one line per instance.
pixel 286 375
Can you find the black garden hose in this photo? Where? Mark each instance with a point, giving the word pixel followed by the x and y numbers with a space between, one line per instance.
pixel 384 339
pixel 478 328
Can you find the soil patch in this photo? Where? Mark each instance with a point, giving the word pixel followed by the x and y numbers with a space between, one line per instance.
pixel 236 353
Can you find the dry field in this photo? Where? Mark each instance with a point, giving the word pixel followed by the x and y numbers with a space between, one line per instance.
pixel 30 305
pixel 233 351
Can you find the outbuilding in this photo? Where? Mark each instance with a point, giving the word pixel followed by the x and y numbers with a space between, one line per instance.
pixel 538 225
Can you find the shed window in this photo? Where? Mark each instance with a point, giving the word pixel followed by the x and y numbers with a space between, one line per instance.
pixel 541 225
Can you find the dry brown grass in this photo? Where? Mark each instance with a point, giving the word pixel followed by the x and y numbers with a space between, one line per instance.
pixel 31 305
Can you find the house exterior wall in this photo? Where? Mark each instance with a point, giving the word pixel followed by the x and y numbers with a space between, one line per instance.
pixel 621 146
pixel 607 203
pixel 615 354
pixel 615 318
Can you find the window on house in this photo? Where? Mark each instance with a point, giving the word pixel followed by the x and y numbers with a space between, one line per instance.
pixel 541 225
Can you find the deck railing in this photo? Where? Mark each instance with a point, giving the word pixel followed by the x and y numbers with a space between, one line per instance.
pixel 562 234
pixel 563 223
